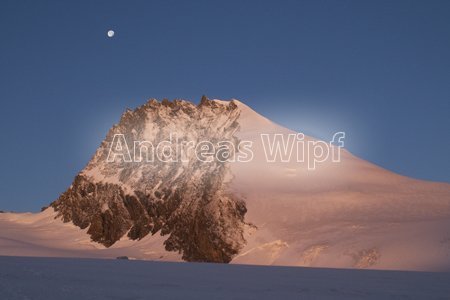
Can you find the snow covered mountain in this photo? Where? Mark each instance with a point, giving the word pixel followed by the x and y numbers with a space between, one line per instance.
pixel 346 214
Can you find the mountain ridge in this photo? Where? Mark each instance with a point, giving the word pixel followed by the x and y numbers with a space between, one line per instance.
pixel 351 214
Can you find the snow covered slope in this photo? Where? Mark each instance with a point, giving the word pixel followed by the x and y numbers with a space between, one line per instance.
pixel 42 234
pixel 351 214
pixel 347 214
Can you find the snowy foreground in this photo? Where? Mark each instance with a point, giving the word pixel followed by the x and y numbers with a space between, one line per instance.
pixel 70 278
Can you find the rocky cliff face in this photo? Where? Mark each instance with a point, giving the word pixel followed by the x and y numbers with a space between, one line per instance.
pixel 185 199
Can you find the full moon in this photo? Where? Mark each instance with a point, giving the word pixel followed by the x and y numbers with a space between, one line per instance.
pixel 110 33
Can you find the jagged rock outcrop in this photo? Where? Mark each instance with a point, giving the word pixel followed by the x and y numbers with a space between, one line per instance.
pixel 184 198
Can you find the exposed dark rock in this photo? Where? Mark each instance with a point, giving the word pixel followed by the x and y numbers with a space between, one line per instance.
pixel 204 100
pixel 97 205
pixel 187 201
pixel 122 257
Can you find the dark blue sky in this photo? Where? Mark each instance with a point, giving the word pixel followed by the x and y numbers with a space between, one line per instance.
pixel 379 70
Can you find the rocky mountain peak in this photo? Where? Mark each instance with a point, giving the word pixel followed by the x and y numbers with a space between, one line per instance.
pixel 187 201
